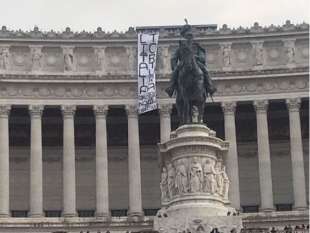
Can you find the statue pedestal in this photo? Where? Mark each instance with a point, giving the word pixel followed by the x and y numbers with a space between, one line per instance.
pixel 194 184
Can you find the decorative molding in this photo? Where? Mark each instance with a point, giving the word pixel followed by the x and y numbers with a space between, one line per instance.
pixel 165 109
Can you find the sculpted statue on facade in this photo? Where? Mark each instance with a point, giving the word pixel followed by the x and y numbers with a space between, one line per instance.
pixel 68 60
pixel 171 180
pixel 196 177
pixel 4 59
pixel 290 51
pixel 100 57
pixel 181 178
pixel 226 54
pixel 36 58
pixel 259 53
pixel 209 185
pixel 164 185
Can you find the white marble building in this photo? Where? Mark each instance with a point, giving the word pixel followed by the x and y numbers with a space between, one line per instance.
pixel 75 156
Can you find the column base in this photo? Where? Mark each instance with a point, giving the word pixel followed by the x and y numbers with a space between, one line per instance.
pixel 300 208
pixel 36 215
pixel 4 215
pixel 135 216
pixel 104 217
pixel 70 215
pixel 267 209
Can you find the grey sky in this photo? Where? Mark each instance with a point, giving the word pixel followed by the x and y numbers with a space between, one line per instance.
pixel 120 14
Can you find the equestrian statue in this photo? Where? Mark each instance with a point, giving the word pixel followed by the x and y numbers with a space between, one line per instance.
pixel 190 78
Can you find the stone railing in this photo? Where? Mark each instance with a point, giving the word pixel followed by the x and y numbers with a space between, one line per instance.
pixel 106 55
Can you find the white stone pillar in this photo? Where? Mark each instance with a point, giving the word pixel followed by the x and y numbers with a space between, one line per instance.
pixel 4 161
pixel 264 162
pixel 232 158
pixel 69 181
pixel 102 184
pixel 300 201
pixel 165 122
pixel 134 169
pixel 36 168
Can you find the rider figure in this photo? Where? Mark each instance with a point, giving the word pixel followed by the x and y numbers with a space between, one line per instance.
pixel 186 32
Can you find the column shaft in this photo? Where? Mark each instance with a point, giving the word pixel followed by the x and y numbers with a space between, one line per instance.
pixel 102 184
pixel 165 122
pixel 69 182
pixel 4 161
pixel 298 170
pixel 134 168
pixel 36 183
pixel 264 162
pixel 232 158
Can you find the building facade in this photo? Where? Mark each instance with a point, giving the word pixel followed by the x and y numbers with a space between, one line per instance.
pixel 76 156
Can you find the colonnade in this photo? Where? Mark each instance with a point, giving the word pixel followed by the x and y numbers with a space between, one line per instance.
pixel 134 168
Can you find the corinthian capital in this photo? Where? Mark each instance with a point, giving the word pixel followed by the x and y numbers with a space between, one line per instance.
pixel 165 108
pixel 68 110
pixel 261 106
pixel 131 110
pixel 4 110
pixel 101 110
pixel 293 104
pixel 36 110
pixel 229 107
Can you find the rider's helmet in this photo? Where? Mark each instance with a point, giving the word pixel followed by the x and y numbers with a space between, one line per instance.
pixel 186 31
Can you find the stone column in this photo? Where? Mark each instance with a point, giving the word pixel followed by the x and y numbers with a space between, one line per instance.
pixel 36 168
pixel 4 161
pixel 232 157
pixel 298 169
pixel 135 211
pixel 69 189
pixel 165 122
pixel 264 162
pixel 102 184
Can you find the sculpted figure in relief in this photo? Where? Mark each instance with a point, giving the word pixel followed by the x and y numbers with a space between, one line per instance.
pixel 226 182
pixel 4 59
pixel 259 53
pixel 226 55
pixel 36 59
pixel 100 56
pixel 209 185
pixel 164 185
pixel 181 179
pixel 219 177
pixel 68 59
pixel 171 180
pixel 290 53
pixel 196 178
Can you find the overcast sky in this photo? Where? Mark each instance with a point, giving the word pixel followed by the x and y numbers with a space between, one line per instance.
pixel 120 14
